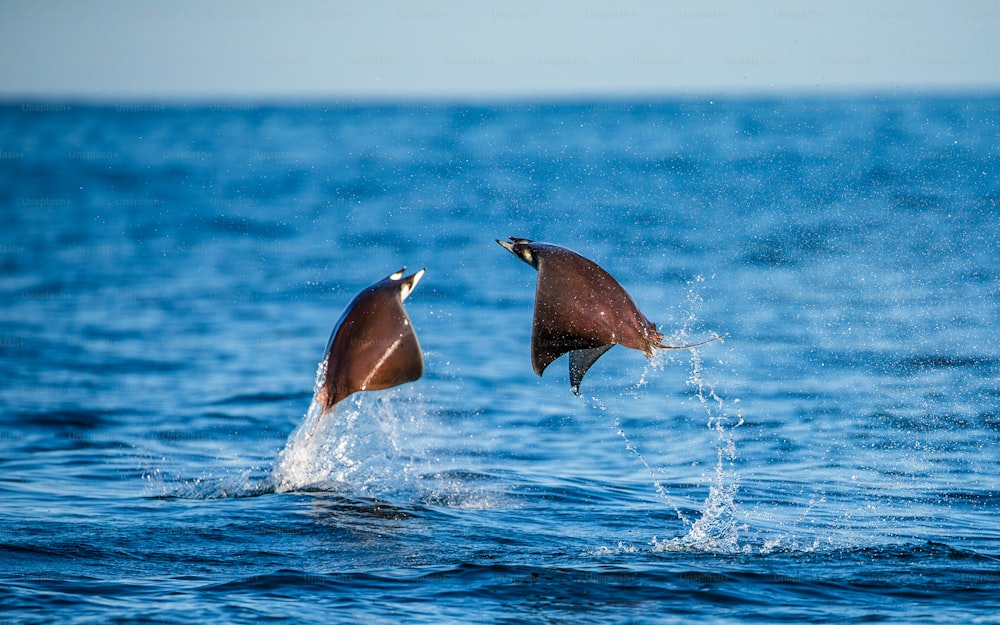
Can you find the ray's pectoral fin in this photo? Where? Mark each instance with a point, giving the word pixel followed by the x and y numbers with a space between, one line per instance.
pixel 373 347
pixel 402 362
pixel 580 360
pixel 546 347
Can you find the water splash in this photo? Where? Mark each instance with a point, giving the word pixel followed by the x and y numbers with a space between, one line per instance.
pixel 247 482
pixel 718 527
pixel 330 450
pixel 356 445
pixel 373 445
pixel 657 484
pixel 220 483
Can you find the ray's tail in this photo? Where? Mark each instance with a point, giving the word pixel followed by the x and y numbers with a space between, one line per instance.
pixel 658 344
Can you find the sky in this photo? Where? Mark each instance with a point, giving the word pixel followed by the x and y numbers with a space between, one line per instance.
pixel 489 49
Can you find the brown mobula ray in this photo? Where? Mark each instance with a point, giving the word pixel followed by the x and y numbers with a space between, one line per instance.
pixel 581 309
pixel 373 346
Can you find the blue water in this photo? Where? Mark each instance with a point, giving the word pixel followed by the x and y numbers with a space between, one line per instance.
pixel 171 273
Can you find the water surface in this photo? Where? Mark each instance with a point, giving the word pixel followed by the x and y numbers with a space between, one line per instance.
pixel 170 275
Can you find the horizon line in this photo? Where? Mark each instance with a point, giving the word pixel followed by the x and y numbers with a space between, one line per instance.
pixel 977 91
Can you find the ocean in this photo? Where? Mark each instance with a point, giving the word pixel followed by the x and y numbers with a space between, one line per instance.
pixel 171 273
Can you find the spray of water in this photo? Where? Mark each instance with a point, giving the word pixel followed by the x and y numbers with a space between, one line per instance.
pixel 370 446
pixel 660 489
pixel 718 527
pixel 357 444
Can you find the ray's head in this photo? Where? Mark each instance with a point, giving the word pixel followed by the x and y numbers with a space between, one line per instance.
pixel 406 284
pixel 521 248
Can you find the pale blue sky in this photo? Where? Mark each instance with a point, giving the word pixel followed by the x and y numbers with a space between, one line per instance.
pixel 494 49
